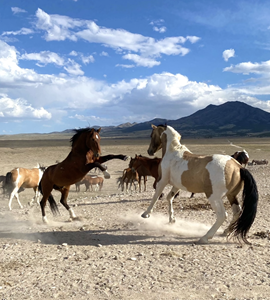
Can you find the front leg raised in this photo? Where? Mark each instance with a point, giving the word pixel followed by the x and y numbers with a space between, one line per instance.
pixel 105 158
pixel 97 164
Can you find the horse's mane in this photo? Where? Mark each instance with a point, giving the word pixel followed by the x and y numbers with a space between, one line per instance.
pixel 78 132
pixel 176 137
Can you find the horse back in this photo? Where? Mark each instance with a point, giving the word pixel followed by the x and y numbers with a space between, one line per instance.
pixel 29 178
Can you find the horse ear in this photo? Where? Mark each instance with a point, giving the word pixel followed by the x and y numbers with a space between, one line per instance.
pixel 99 130
pixel 153 126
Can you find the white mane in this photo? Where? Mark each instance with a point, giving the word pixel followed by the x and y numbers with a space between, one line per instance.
pixel 173 140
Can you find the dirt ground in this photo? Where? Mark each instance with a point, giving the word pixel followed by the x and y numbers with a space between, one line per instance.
pixel 113 253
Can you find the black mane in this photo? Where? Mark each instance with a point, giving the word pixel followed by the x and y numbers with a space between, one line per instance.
pixel 78 132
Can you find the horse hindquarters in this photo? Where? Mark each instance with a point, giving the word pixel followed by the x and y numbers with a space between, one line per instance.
pixel 250 201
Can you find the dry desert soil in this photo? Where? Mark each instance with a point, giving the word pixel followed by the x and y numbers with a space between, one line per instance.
pixel 113 253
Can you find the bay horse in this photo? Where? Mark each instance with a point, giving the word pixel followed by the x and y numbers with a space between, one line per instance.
pixel 130 176
pixel 146 166
pixel 142 170
pixel 83 157
pixel 215 175
pixel 19 179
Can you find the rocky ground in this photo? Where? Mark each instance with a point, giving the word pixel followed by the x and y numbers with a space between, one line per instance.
pixel 112 253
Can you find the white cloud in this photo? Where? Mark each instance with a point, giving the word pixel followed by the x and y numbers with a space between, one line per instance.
pixel 103 53
pixel 88 59
pixel 228 54
pixel 142 61
pixel 161 29
pixel 20 109
pixel 60 28
pixel 249 67
pixel 73 53
pixel 46 96
pixel 73 68
pixel 22 31
pixel 125 66
pixel 17 10
pixel 44 57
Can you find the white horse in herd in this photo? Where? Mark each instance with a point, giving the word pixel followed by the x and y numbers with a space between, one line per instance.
pixel 216 176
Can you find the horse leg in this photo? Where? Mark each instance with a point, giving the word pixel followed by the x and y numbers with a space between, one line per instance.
pixel 63 201
pixel 140 187
pixel 13 194
pixel 159 188
pixel 46 193
pixel 219 209
pixel 36 196
pixel 170 198
pixel 144 181
pixel 236 209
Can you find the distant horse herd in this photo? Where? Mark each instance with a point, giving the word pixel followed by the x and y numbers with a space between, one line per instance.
pixel 208 175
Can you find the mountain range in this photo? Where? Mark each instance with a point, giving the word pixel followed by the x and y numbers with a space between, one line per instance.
pixel 231 119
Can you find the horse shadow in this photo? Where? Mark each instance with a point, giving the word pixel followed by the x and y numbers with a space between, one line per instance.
pixel 104 237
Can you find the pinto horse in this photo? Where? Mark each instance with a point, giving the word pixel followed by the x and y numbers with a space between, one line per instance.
pixel 241 156
pixel 83 157
pixel 20 178
pixel 215 175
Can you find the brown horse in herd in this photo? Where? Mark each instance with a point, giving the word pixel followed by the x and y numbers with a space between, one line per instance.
pixel 89 181
pixel 83 157
pixel 130 176
pixel 145 166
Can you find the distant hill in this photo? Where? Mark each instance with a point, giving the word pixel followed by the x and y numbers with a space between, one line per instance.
pixel 231 119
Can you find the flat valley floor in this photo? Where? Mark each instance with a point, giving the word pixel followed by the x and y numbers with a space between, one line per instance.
pixel 113 253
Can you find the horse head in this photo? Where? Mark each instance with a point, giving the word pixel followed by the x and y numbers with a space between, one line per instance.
pixel 93 142
pixel 156 143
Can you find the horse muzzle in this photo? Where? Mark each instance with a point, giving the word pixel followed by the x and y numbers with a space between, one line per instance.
pixel 150 152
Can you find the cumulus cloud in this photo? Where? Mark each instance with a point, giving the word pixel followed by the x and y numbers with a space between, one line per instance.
pixel 20 109
pixel 228 54
pixel 42 96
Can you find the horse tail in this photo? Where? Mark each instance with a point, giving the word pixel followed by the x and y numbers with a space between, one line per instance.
pixel 250 201
pixel 53 205
pixel 8 184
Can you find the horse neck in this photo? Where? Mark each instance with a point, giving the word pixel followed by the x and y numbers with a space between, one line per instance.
pixel 175 145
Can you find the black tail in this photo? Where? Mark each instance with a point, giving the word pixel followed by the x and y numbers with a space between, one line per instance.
pixel 53 205
pixel 242 225
pixel 8 184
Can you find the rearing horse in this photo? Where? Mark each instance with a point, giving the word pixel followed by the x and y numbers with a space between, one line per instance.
pixel 216 176
pixel 84 156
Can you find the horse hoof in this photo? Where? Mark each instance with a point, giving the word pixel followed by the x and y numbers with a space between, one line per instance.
pixel 106 175
pixel 145 215
pixel 202 241
pixel 172 220
pixel 45 220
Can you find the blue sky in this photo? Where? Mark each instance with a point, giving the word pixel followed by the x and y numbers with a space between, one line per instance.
pixel 70 64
